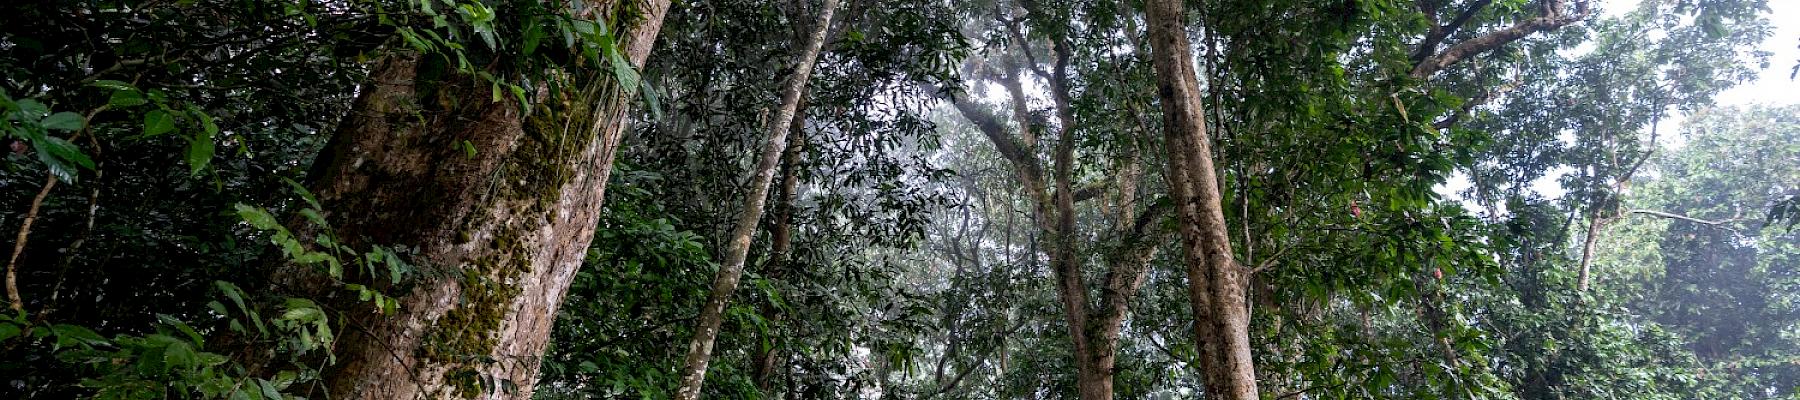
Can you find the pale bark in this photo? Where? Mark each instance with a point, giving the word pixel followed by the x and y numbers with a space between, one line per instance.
pixel 498 234
pixel 1093 329
pixel 699 353
pixel 1551 16
pixel 780 242
pixel 13 298
pixel 1216 282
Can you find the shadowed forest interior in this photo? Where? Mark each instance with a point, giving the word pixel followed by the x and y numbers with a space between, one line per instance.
pixel 892 199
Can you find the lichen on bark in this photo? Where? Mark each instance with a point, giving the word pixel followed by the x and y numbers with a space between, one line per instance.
pixel 527 188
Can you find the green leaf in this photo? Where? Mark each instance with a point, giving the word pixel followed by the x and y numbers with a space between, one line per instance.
pixel 268 389
pixel 74 334
pixel 157 122
pixel 180 355
pixel 628 77
pixel 304 194
pixel 112 84
pixel 257 217
pixel 183 327
pixel 64 151
pixel 31 109
pixel 64 121
pixel 200 153
pixel 653 100
pixel 534 33
pixel 127 98
pixel 8 331
pixel 206 123
pixel 468 148
pixel 237 297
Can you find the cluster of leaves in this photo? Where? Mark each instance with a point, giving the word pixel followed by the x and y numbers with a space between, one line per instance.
pixel 172 360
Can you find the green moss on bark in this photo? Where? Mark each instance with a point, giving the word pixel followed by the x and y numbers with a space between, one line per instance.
pixel 533 179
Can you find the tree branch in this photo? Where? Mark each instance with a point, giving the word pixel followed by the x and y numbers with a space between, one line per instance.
pixel 1552 17
pixel 12 264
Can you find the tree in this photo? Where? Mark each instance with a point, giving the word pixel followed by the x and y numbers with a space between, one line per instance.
pixel 1216 282
pixel 1042 154
pixel 700 349
pixel 510 200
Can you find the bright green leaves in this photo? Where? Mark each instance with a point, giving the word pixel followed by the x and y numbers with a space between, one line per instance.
pixel 329 254
pixel 63 121
pixel 200 144
pixel 32 122
pixel 170 359
pixel 306 326
pixel 157 122
pixel 481 20
pixel 162 115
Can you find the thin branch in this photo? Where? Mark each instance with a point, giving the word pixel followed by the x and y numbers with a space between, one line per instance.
pixel 1719 223
pixel 12 264
pixel 1270 262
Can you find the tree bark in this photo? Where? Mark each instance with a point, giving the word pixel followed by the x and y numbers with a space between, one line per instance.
pixel 693 372
pixel 1216 282
pixel 1552 16
pixel 497 233
pixel 780 243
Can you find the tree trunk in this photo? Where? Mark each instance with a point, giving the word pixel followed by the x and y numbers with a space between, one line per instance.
pixel 497 233
pixel 693 372
pixel 780 242
pixel 1216 283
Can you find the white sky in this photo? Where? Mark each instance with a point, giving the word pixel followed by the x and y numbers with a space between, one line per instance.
pixel 1772 86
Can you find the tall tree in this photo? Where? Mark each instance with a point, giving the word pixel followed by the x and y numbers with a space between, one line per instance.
pixel 1042 154
pixel 1216 282
pixel 712 312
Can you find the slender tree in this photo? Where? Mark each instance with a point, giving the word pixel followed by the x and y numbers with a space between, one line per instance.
pixel 693 372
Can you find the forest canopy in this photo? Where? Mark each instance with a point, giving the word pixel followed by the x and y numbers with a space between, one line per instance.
pixel 889 199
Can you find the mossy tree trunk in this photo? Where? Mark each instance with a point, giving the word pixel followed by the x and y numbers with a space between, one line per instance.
pixel 497 233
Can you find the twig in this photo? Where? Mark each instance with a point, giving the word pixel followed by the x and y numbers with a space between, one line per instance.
pixel 1718 223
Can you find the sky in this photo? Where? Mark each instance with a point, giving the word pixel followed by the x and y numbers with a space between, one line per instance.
pixel 1773 85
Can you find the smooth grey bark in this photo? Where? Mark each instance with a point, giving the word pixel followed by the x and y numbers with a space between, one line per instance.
pixel 693 373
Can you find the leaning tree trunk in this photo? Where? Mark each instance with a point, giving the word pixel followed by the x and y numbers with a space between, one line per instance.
pixel 781 240
pixel 693 371
pixel 1216 282
pixel 497 233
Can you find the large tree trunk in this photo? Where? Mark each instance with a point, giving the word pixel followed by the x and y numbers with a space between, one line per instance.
pixel 497 233
pixel 1216 282
pixel 693 372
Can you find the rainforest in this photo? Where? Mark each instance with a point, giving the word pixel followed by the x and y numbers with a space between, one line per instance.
pixel 900 199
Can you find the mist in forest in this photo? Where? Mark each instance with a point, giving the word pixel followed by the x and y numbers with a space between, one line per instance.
pixel 886 199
